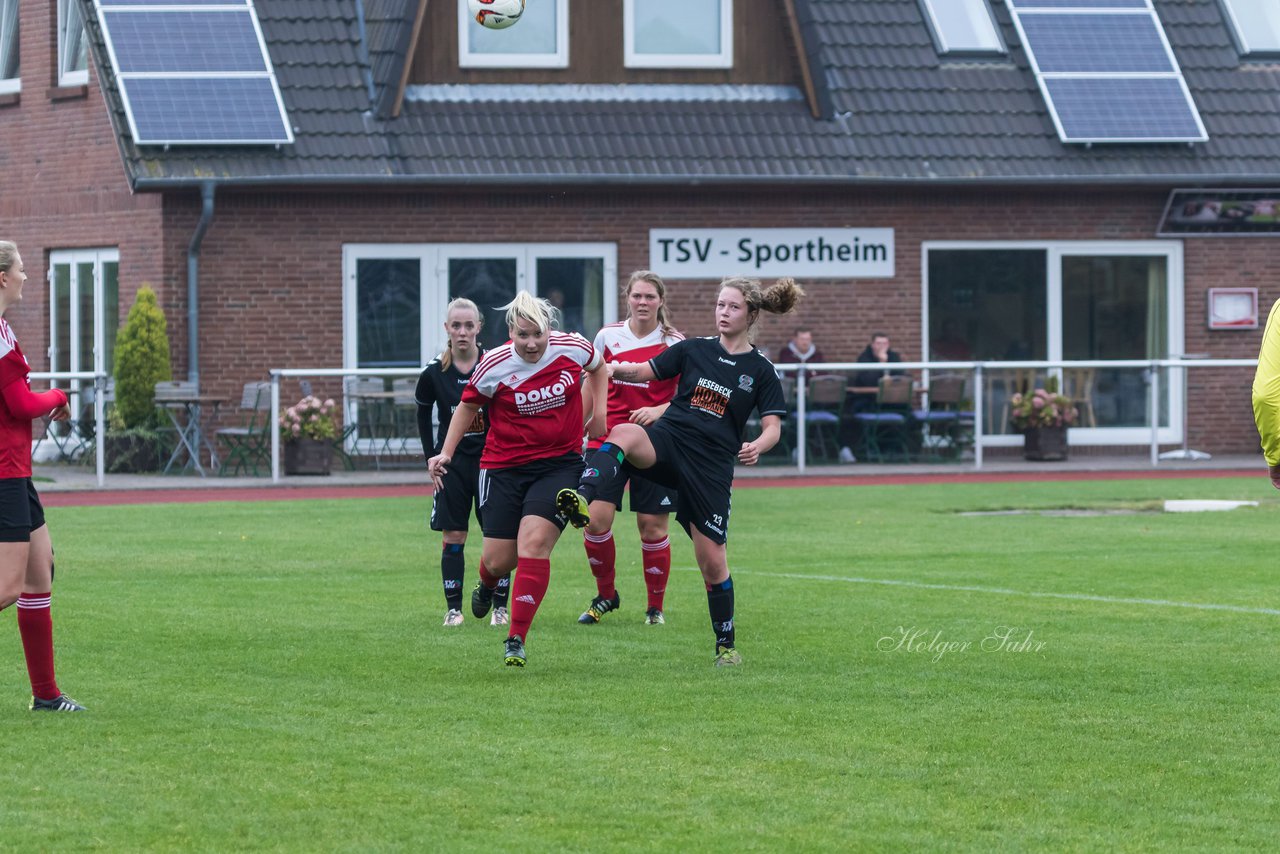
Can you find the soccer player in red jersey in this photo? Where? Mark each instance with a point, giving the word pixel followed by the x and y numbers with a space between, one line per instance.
pixel 531 388
pixel 694 445
pixel 645 333
pixel 26 552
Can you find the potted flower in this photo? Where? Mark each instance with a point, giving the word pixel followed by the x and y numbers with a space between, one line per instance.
pixel 308 429
pixel 1043 417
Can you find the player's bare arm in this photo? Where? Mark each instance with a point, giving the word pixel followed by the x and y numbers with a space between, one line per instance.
pixel 631 372
pixel 770 432
pixel 462 417
pixel 597 388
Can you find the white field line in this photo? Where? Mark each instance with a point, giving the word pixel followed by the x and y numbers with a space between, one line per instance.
pixel 1001 591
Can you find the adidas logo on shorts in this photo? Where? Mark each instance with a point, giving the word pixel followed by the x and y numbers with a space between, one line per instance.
pixel 666 502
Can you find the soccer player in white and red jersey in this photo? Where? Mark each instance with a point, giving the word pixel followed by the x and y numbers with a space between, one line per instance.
pixel 531 388
pixel 26 552
pixel 695 444
pixel 645 333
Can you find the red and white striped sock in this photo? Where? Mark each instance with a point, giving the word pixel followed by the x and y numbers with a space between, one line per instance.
pixel 655 557
pixel 602 555
pixel 527 590
pixel 35 624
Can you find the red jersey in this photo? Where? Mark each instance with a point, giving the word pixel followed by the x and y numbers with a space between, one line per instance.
pixel 535 408
pixel 15 427
pixel 617 343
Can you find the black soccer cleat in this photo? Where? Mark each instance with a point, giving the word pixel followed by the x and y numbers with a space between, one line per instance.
pixel 481 600
pixel 60 703
pixel 599 607
pixel 515 655
pixel 573 507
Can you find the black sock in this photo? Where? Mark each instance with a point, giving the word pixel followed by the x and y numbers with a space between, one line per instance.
pixel 501 592
pixel 601 469
pixel 720 604
pixel 452 567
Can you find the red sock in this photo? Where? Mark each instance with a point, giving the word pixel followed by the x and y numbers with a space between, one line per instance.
pixel 602 555
pixel 35 624
pixel 527 590
pixel 656 560
pixel 486 578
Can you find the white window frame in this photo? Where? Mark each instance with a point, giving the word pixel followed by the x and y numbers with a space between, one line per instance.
pixel 434 277
pixel 724 59
pixel 558 59
pixel 11 84
pixel 1239 34
pixel 1055 252
pixel 940 36
pixel 74 258
pixel 78 77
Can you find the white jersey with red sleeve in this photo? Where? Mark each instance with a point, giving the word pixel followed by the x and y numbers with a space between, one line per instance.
pixel 15 432
pixel 535 408
pixel 618 343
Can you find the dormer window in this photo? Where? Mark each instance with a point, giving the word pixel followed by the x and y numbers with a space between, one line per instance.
pixel 539 40
pixel 962 26
pixel 678 33
pixel 9 81
pixel 73 53
pixel 1256 25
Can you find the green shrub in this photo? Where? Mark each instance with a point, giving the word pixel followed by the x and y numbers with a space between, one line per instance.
pixel 142 360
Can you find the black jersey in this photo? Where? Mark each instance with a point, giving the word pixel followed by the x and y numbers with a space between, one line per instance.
pixel 718 390
pixel 442 388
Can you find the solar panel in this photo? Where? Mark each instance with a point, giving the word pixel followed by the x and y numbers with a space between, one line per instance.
pixel 1080 4
pixel 193 72
pixel 185 41
pixel 1106 71
pixel 1133 109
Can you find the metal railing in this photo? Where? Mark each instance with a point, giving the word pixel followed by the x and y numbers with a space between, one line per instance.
pixel 99 412
pixel 278 374
pixel 1150 367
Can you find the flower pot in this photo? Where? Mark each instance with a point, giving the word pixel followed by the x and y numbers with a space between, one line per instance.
pixel 1045 443
pixel 307 456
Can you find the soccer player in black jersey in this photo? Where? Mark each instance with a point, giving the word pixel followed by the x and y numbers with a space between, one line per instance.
pixel 440 386
pixel 694 445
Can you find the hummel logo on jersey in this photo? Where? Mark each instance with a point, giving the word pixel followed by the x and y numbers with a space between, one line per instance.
pixel 665 502
pixel 652 570
pixel 725 361
pixel 527 599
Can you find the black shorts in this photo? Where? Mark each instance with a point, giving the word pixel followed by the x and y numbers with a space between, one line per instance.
pixel 452 502
pixel 508 495
pixel 703 476
pixel 646 496
pixel 20 510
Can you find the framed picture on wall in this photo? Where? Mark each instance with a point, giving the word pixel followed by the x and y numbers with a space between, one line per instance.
pixel 1233 308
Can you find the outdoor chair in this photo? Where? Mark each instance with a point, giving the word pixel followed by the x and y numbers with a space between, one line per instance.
pixel 375 426
pixel 1077 384
pixel 824 405
pixel 249 445
pixel 405 411
pixel 945 425
pixel 886 426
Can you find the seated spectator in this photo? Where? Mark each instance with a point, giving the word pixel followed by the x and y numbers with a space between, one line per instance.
pixel 867 383
pixel 863 388
pixel 800 349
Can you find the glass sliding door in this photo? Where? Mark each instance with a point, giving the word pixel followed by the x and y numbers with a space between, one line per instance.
pixel 388 312
pixel 1062 301
pixel 84 316
pixel 489 282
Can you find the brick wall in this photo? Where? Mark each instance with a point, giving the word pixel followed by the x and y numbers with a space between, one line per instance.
pixel 271 271
pixel 65 186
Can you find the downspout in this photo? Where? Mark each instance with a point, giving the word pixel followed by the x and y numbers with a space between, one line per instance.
pixel 193 283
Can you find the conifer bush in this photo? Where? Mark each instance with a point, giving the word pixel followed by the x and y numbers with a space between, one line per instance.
pixel 142 360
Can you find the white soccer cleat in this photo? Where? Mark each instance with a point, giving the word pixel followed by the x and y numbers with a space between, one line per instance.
pixel 501 617
pixel 453 617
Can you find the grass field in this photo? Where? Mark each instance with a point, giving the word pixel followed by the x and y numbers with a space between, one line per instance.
pixel 274 676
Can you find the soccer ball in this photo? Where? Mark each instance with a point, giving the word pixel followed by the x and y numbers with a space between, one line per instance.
pixel 496 14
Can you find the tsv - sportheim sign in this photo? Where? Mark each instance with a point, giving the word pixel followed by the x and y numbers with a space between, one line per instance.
pixel 821 253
